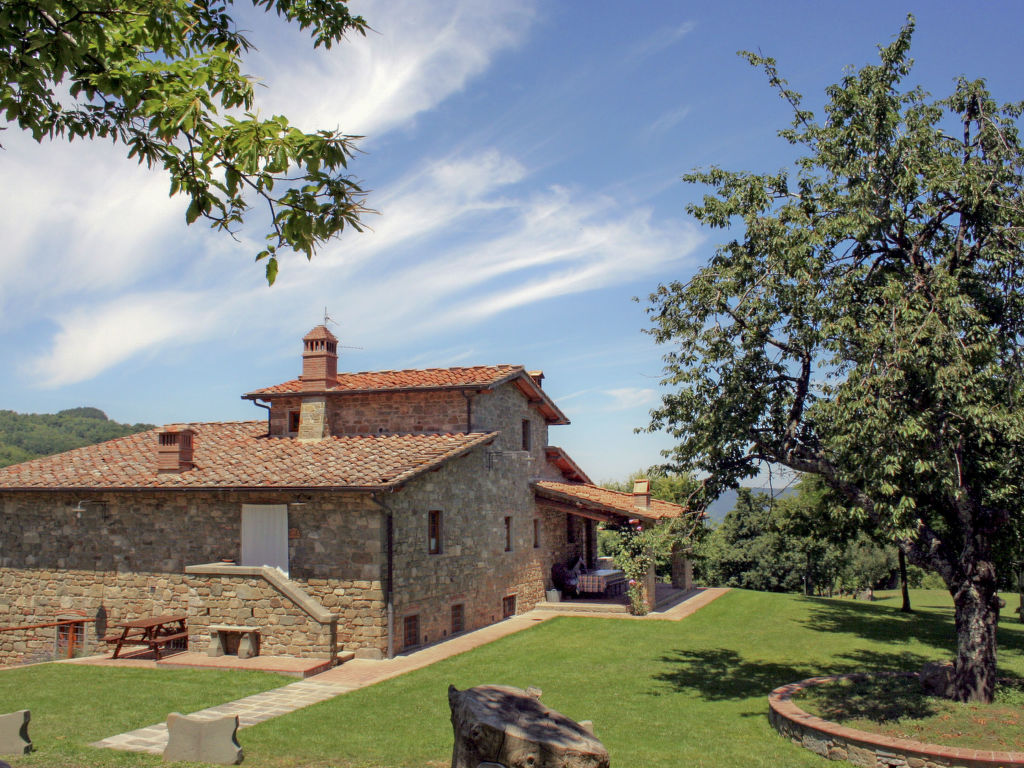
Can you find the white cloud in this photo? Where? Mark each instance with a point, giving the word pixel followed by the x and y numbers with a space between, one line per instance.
pixel 630 397
pixel 417 55
pixel 79 217
pixel 92 339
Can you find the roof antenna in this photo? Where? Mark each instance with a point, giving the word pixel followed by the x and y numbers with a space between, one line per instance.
pixel 329 319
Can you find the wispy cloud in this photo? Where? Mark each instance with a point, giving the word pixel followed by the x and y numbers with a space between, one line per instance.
pixel 417 55
pixel 79 217
pixel 657 42
pixel 630 397
pixel 92 339
pixel 667 121
pixel 515 249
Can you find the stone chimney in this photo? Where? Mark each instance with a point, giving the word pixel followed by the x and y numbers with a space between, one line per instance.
pixel 319 359
pixel 537 376
pixel 174 449
pixel 642 493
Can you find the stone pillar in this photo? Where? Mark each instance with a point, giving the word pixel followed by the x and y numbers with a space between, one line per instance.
pixel 682 568
pixel 649 589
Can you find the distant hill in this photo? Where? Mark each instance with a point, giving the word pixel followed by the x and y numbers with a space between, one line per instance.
pixel 719 508
pixel 25 436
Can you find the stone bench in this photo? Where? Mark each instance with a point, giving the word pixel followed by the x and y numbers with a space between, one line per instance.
pixel 221 636
pixel 14 733
pixel 203 740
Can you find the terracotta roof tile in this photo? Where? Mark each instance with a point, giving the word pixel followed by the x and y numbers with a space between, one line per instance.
pixel 424 378
pixel 617 502
pixel 240 455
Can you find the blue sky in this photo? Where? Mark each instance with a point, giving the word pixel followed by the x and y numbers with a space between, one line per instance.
pixel 525 160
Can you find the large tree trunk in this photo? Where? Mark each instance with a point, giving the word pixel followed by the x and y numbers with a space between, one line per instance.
pixel 977 615
pixel 904 586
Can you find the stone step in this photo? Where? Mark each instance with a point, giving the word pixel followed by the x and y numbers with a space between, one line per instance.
pixel 344 656
pixel 574 606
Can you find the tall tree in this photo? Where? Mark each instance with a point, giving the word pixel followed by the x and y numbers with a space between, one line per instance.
pixel 164 78
pixel 865 325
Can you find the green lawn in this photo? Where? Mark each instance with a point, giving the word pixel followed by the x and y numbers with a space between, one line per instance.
pixel 660 693
pixel 73 705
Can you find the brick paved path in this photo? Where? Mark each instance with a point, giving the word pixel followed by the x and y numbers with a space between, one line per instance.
pixel 360 673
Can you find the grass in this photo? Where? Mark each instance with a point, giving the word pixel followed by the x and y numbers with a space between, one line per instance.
pixel 897 706
pixel 73 705
pixel 660 693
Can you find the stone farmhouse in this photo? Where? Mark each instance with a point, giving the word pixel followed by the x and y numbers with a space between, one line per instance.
pixel 368 512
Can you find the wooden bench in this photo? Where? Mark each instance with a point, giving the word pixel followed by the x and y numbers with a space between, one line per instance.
pixel 154 632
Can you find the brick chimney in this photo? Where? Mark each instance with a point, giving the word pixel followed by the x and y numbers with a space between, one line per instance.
pixel 319 359
pixel 642 493
pixel 174 449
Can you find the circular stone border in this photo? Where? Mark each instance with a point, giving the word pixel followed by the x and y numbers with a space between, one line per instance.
pixel 870 750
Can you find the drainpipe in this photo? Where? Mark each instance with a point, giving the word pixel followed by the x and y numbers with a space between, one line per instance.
pixel 267 406
pixel 388 591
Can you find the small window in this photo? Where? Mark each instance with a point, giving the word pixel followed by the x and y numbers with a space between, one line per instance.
pixel 508 606
pixel 536 533
pixel 458 618
pixel 411 631
pixel 508 534
pixel 434 532
pixel 293 421
pixel 570 529
pixel 526 434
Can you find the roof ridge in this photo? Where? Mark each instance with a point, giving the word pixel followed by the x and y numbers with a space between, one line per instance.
pixel 433 368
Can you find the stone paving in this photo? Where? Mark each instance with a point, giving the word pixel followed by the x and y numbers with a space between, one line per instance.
pixel 360 673
pixel 250 710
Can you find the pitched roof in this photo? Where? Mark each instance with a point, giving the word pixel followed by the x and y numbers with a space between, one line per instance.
pixel 478 377
pixel 563 462
pixel 241 455
pixel 587 495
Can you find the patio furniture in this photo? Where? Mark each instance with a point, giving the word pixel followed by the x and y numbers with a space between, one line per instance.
pixel 604 581
pixel 153 631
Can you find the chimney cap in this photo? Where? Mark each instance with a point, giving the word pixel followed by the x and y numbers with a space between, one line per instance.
pixel 320 332
pixel 174 448
pixel 642 493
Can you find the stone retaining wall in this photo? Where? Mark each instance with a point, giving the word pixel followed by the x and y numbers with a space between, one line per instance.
pixel 870 750
pixel 123 556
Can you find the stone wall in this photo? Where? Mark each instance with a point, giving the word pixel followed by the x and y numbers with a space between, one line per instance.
pixel 870 750
pixel 413 412
pixel 124 556
pixel 382 412
pixel 285 629
pixel 125 553
pixel 475 494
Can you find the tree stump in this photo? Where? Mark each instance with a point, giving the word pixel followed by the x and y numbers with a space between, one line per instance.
pixel 506 726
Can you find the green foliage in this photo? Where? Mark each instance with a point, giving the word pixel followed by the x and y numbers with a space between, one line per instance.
pixel 164 78
pixel 619 541
pixel 749 550
pixel 635 549
pixel 865 323
pixel 25 436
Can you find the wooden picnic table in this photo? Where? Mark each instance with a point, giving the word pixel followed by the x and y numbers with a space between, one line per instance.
pixel 152 631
